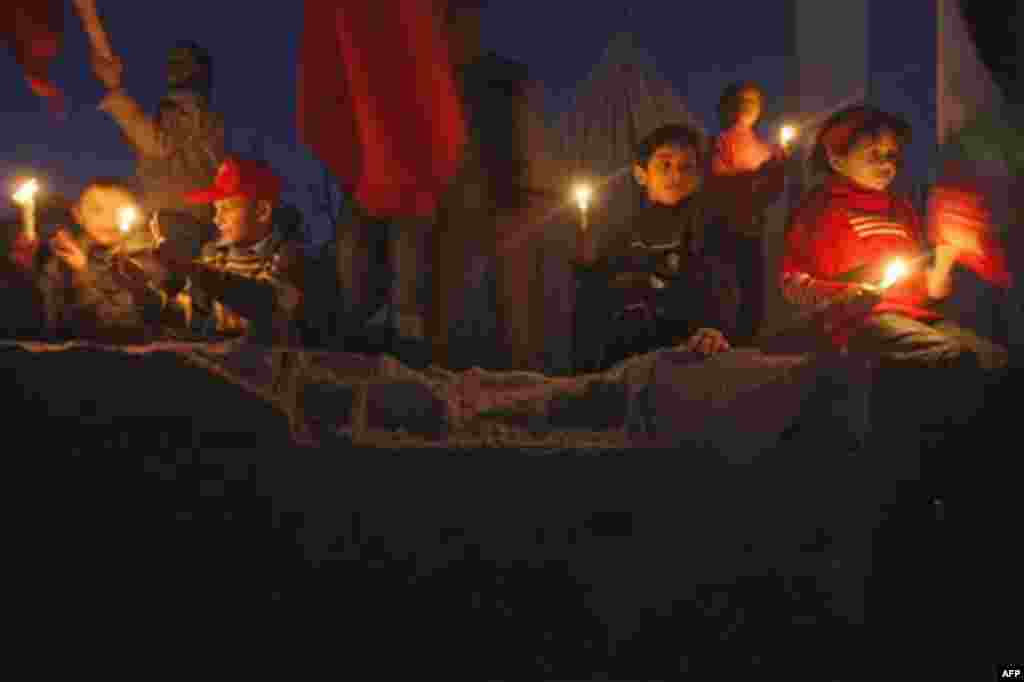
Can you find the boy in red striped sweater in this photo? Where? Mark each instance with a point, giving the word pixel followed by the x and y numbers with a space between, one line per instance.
pixel 934 374
pixel 853 228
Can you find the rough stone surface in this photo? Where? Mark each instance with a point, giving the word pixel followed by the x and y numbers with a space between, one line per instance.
pixel 737 403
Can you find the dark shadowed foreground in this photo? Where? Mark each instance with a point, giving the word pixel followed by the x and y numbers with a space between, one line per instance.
pixel 166 498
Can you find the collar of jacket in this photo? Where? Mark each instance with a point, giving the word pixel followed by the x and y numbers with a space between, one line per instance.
pixel 662 209
pixel 263 248
pixel 856 196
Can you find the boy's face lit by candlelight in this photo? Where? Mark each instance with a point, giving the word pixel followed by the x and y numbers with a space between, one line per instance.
pixel 98 211
pixel 871 162
pixel 671 175
pixel 241 220
pixel 748 108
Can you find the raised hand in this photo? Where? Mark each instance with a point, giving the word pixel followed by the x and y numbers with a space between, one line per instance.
pixel 68 250
pixel 156 230
pixel 708 341
pixel 963 238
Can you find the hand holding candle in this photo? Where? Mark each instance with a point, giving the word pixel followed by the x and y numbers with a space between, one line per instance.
pixel 155 230
pixel 25 197
pixel 868 295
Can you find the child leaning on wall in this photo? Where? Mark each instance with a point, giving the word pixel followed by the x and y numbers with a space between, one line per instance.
pixel 840 243
pixel 76 273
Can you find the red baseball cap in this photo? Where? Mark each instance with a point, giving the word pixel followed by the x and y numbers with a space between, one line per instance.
pixel 239 178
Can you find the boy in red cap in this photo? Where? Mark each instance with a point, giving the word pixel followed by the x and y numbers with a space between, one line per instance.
pixel 250 281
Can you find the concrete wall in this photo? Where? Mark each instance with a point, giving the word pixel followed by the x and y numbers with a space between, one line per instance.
pixel 829 69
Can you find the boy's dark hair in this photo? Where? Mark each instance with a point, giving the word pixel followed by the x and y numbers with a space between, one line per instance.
pixel 108 182
pixel 200 76
pixel 288 219
pixel 674 135
pixel 844 128
pixel 728 103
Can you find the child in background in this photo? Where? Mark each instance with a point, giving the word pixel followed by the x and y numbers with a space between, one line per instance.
pixel 746 176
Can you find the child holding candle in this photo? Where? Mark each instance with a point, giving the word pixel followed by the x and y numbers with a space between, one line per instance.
pixel 854 224
pixel 250 282
pixel 82 292
pixel 747 175
pixel 694 302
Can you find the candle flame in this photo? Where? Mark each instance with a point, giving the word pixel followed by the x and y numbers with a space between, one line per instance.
pixel 126 216
pixel 787 134
pixel 583 196
pixel 26 191
pixel 893 273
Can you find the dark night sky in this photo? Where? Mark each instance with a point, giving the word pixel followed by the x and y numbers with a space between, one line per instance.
pixel 560 41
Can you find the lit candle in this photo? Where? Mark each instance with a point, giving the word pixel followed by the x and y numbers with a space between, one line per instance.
pixel 786 135
pixel 125 217
pixel 895 271
pixel 25 197
pixel 582 195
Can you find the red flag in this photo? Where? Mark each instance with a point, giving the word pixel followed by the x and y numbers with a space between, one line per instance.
pixel 32 29
pixel 377 101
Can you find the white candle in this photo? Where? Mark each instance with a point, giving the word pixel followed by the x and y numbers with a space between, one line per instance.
pixel 25 197
pixel 125 217
pixel 786 135
pixel 582 195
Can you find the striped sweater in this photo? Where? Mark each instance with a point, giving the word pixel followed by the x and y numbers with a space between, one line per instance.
pixel 841 227
pixel 255 291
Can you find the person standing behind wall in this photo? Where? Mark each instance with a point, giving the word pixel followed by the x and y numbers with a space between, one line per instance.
pixel 491 212
pixel 177 149
pixel 746 176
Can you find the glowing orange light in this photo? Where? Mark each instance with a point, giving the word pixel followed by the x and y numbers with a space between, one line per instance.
pixel 26 192
pixel 787 134
pixel 583 194
pixel 125 217
pixel 895 271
